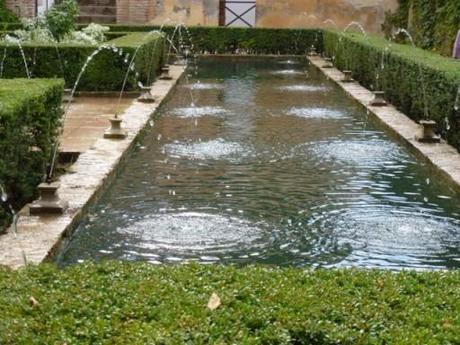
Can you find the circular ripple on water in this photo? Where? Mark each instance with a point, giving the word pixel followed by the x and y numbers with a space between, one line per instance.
pixel 386 237
pixel 214 149
pixel 289 62
pixel 197 234
pixel 303 88
pixel 317 113
pixel 371 152
pixel 204 86
pixel 192 112
pixel 288 72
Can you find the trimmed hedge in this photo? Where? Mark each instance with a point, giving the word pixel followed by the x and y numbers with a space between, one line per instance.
pixel 135 303
pixel 105 72
pixel 229 39
pixel 434 24
pixel 407 72
pixel 30 111
pixel 6 16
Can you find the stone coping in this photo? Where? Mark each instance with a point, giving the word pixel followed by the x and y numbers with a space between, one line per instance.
pixel 442 158
pixel 40 238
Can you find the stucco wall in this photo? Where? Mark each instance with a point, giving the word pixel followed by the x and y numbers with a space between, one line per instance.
pixel 23 8
pixel 270 13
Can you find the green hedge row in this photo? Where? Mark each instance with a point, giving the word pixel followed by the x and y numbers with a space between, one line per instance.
pixel 30 111
pixel 414 80
pixel 104 73
pixel 6 16
pixel 228 40
pixel 134 303
pixel 434 24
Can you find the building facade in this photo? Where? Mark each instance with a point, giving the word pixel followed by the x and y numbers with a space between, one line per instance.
pixel 258 13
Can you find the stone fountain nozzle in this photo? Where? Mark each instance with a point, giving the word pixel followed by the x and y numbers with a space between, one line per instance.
pixel 165 73
pixel 67 97
pixel 429 132
pixel 146 95
pixel 313 51
pixel 379 99
pixel 328 63
pixel 347 77
pixel 49 201
pixel 115 131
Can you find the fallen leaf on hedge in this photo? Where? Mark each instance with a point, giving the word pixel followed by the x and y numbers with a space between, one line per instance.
pixel 33 302
pixel 214 302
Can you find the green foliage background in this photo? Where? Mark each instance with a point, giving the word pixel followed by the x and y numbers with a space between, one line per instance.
pixel 104 73
pixel 420 83
pixel 6 16
pixel 29 120
pixel 433 23
pixel 224 40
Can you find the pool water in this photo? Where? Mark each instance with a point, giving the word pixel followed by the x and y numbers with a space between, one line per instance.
pixel 256 161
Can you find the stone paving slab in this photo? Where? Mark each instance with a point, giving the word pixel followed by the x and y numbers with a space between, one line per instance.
pixel 87 120
pixel 39 238
pixel 443 157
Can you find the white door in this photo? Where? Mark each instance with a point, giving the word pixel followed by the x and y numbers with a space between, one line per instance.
pixel 43 6
pixel 240 13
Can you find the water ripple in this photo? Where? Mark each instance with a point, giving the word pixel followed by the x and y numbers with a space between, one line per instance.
pixel 191 112
pixel 213 149
pixel 317 113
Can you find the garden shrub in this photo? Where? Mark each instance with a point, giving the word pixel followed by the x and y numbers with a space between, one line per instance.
pixel 228 40
pixel 30 111
pixel 61 18
pixel 104 73
pixel 416 81
pixel 136 303
pixel 434 24
pixel 6 16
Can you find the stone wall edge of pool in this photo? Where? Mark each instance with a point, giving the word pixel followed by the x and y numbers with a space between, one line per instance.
pixel 41 238
pixel 442 158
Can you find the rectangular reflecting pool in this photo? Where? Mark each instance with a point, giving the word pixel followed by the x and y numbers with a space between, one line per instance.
pixel 263 160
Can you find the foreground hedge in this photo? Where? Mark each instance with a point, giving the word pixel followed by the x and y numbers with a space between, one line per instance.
pixel 133 303
pixel 229 39
pixel 29 120
pixel 106 71
pixel 407 72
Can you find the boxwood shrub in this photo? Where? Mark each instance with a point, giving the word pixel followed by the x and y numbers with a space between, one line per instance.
pixel 433 24
pixel 229 39
pixel 104 73
pixel 420 83
pixel 30 111
pixel 134 303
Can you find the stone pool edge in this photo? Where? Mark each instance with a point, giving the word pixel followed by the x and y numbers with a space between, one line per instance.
pixel 443 159
pixel 41 238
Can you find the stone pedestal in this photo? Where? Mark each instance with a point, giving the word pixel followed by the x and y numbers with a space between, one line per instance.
pixel 115 131
pixel 165 73
pixel 49 202
pixel 347 78
pixel 429 134
pixel 328 63
pixel 379 100
pixel 146 95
